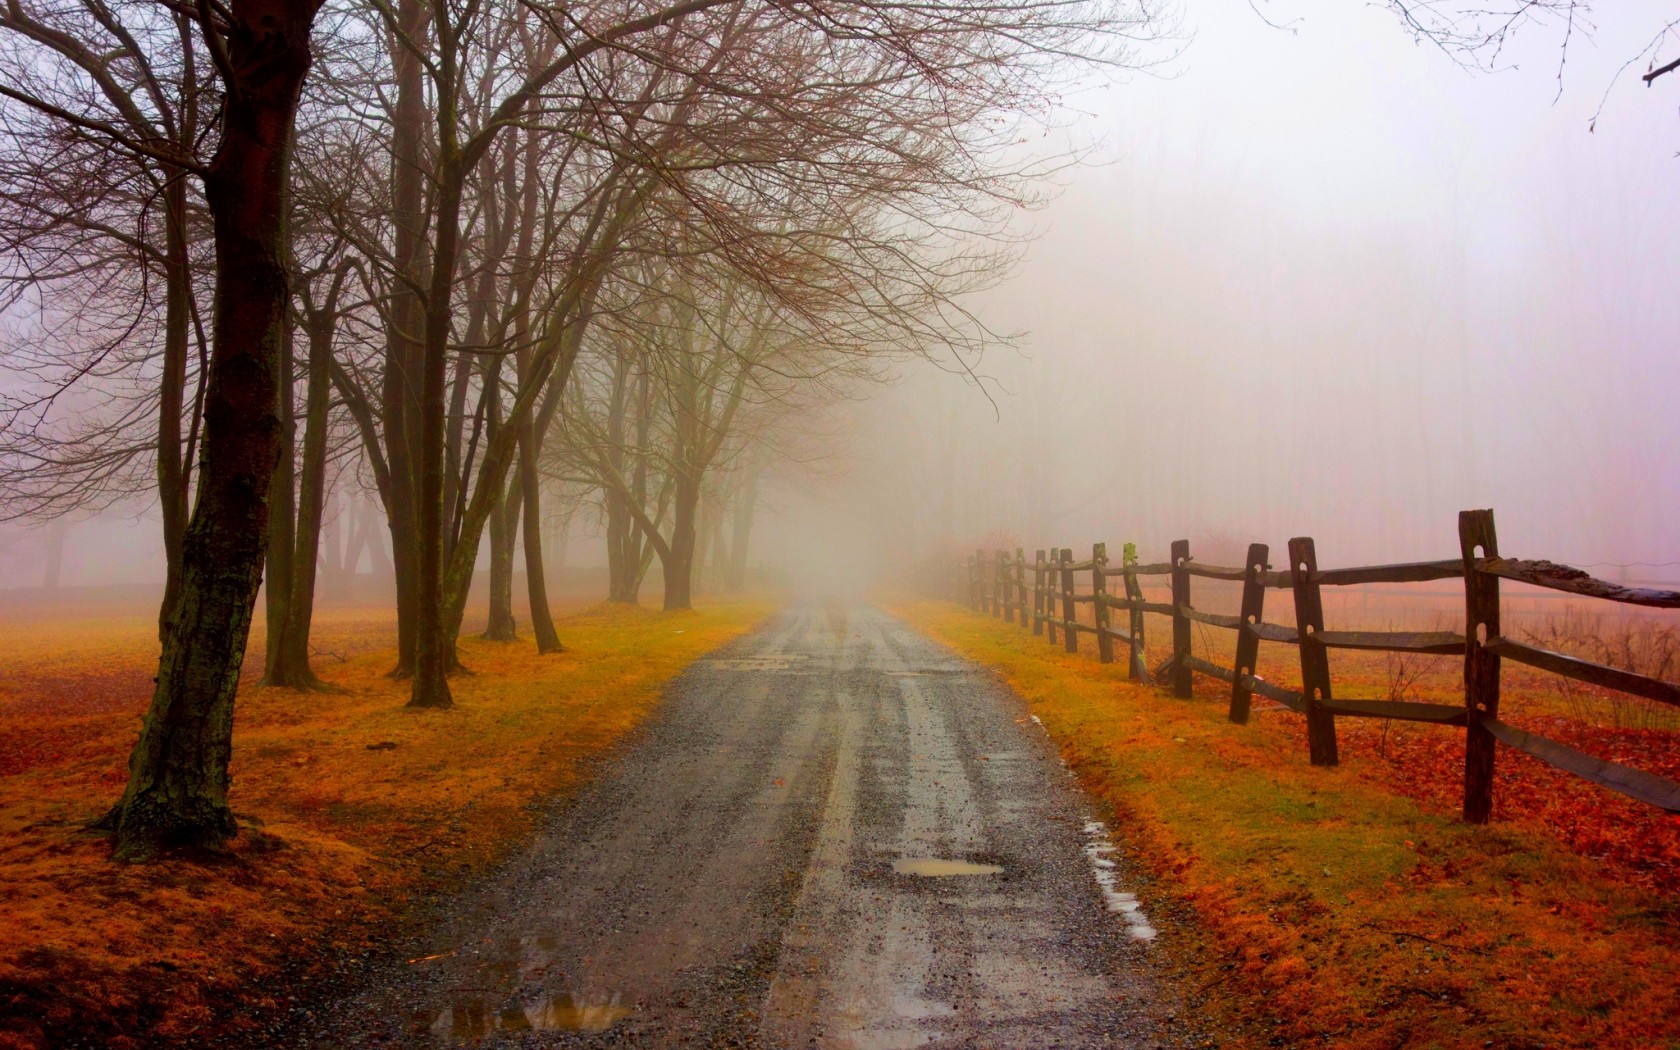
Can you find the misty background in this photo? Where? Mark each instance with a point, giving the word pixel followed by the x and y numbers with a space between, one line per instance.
pixel 1313 280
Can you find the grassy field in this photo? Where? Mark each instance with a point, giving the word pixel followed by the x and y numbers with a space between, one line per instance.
pixel 353 806
pixel 1350 906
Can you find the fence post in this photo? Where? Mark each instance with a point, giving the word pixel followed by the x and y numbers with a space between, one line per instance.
pixel 1000 585
pixel 1038 592
pixel 1476 539
pixel 1099 606
pixel 1007 587
pixel 1021 582
pixel 1181 623
pixel 1006 572
pixel 1134 594
pixel 1315 661
pixel 1052 588
pixel 1248 646
pixel 973 585
pixel 1070 615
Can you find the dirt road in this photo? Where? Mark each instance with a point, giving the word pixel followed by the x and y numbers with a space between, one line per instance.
pixel 834 834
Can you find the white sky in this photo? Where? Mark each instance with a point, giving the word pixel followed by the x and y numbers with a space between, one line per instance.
pixel 1323 282
pixel 1329 284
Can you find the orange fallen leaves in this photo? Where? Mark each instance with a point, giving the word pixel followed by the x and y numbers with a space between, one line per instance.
pixel 353 804
pixel 1350 905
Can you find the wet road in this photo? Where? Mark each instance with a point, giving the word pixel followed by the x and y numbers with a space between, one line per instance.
pixel 834 834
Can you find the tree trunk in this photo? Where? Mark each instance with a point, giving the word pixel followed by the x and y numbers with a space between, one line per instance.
pixel 708 556
pixel 282 516
pixel 172 468
pixel 434 655
pixel 52 577
pixel 552 366
pixel 178 772
pixel 380 566
pixel 679 563
pixel 504 520
pixel 289 665
pixel 618 555
pixel 455 477
pixel 502 627
pixel 400 516
pixel 332 548
pixel 403 352
pixel 560 545
pixel 741 523
pixel 536 581
pixel 642 561
pixel 717 571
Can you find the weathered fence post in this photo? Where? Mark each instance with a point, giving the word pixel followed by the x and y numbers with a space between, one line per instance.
pixel 1000 583
pixel 1134 594
pixel 1038 592
pixel 1181 622
pixel 973 585
pixel 1021 582
pixel 1070 614
pixel 1099 602
pixel 1315 660
pixel 1248 644
pixel 1017 600
pixel 990 574
pixel 1476 539
pixel 1052 588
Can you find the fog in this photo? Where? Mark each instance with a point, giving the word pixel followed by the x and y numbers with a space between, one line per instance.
pixel 1313 280
pixel 1321 282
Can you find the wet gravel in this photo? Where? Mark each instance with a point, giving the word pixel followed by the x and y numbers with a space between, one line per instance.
pixel 729 880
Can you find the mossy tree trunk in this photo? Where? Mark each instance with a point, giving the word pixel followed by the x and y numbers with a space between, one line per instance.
pixel 178 772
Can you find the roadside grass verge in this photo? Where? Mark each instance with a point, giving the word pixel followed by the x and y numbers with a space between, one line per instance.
pixel 351 805
pixel 1339 910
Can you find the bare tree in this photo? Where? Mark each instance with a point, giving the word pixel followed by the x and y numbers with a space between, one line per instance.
pixel 98 207
pixel 258 52
pixel 1481 36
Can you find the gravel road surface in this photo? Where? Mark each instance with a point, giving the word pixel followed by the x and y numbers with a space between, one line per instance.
pixel 835 833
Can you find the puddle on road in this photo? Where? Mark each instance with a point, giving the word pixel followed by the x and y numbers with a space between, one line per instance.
pixel 1103 870
pixel 934 867
pixel 766 662
pixel 470 1018
pixel 563 1012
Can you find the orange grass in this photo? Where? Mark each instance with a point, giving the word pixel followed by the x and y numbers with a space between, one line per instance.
pixel 340 834
pixel 1338 908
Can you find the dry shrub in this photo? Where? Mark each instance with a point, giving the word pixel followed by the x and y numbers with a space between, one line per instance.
pixel 1640 644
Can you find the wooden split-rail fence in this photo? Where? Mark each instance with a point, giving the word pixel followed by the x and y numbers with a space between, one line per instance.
pixel 1048 605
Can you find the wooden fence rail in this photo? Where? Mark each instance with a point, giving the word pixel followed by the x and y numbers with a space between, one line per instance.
pixel 1048 607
